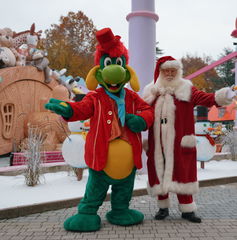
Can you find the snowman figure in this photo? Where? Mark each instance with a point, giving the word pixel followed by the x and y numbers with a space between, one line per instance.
pixel 206 147
pixel 73 147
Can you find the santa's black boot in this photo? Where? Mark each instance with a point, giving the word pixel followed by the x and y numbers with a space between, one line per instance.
pixel 190 216
pixel 162 214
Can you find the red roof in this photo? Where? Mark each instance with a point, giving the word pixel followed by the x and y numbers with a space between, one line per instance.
pixel 226 113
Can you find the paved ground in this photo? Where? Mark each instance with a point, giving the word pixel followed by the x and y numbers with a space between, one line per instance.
pixel 217 207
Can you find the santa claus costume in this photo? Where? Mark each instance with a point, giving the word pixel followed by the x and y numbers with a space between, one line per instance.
pixel 172 163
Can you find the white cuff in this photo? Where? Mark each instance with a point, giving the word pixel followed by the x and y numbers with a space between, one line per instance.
pixel 190 207
pixel 164 203
pixel 220 97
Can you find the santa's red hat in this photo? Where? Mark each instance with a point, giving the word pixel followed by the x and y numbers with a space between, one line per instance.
pixel 166 62
pixel 110 44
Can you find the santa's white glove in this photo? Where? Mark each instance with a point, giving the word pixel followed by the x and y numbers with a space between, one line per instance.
pixel 231 92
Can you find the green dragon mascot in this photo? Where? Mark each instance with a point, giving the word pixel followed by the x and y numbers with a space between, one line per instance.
pixel 113 145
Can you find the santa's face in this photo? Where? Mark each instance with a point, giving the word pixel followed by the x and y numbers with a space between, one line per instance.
pixel 169 73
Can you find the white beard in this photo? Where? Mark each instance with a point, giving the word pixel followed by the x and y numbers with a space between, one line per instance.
pixel 173 84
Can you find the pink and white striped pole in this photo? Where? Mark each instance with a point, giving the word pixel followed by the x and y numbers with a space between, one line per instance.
pixel 234 35
pixel 142 39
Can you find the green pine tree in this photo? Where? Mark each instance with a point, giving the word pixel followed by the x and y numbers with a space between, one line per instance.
pixel 158 51
pixel 225 70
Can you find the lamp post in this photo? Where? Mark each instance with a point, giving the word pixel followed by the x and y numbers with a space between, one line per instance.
pixel 142 39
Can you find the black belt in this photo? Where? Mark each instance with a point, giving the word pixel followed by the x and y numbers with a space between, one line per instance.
pixel 163 120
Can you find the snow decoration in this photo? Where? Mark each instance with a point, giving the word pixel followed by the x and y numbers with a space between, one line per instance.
pixel 205 149
pixel 73 147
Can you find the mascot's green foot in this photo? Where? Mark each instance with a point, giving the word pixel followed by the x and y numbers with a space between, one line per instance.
pixel 124 217
pixel 82 223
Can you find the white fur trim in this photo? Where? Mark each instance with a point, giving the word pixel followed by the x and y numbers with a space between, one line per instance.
pixel 153 191
pixel 220 97
pixel 164 108
pixel 180 87
pixel 190 207
pixel 175 187
pixel 183 91
pixel 184 188
pixel 188 141
pixel 164 203
pixel 172 64
pixel 149 93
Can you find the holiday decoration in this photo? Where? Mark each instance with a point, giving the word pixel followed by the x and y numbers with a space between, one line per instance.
pixel 73 146
pixel 206 147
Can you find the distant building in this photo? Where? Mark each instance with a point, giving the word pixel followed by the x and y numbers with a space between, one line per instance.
pixel 225 114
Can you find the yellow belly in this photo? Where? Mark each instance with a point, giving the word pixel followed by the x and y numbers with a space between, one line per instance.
pixel 120 159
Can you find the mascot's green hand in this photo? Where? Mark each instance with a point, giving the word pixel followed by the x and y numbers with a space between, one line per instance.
pixel 59 107
pixel 135 123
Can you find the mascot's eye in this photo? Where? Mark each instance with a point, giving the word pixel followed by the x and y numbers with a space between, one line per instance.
pixel 119 61
pixel 204 124
pixel 71 81
pixel 107 61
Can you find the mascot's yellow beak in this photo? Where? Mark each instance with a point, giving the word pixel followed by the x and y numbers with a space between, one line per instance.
pixel 92 83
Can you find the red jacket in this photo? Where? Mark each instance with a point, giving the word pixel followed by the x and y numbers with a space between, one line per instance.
pixel 175 170
pixel 97 106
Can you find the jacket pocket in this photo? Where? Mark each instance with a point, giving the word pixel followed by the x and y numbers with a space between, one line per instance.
pixel 188 144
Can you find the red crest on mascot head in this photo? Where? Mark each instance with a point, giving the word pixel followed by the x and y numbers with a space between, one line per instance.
pixel 110 44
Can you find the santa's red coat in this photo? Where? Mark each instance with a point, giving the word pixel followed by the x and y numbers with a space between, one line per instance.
pixel 172 164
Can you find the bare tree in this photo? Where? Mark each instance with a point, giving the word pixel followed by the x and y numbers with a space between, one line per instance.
pixel 33 156
pixel 230 140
